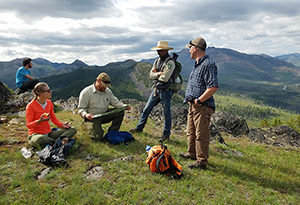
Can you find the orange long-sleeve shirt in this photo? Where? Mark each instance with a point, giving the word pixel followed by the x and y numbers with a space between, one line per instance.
pixel 33 113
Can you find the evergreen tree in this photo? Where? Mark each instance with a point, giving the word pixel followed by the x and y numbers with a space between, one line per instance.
pixel 264 123
pixel 276 122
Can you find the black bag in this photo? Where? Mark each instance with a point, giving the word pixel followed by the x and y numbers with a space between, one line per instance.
pixel 56 155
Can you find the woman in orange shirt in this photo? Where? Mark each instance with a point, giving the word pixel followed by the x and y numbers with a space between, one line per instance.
pixel 38 113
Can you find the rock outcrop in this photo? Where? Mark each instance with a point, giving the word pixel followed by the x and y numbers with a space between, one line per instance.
pixel 4 92
pixel 221 122
pixel 10 103
pixel 280 136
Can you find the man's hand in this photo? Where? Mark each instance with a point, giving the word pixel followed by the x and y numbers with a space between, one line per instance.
pixel 89 116
pixel 128 107
pixel 154 70
pixel 158 73
pixel 29 77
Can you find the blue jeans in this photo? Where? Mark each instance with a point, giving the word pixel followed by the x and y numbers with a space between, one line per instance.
pixel 163 96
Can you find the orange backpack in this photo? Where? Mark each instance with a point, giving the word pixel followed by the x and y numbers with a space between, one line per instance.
pixel 160 161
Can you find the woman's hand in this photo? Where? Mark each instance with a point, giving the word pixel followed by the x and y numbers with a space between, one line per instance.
pixel 66 126
pixel 44 117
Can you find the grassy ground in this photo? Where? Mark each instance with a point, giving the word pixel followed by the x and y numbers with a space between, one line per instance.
pixel 259 175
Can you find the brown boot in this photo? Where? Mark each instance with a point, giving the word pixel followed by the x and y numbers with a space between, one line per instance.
pixel 187 156
pixel 197 164
pixel 135 130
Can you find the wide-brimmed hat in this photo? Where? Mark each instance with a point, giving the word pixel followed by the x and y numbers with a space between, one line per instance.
pixel 105 79
pixel 162 45
pixel 198 42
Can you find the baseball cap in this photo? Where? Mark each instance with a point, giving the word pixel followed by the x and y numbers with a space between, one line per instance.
pixel 105 79
pixel 198 42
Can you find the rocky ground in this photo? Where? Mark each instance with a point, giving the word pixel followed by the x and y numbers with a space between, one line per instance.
pixel 221 122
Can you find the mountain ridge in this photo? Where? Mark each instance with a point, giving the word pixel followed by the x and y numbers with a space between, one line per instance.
pixel 40 67
pixel 293 58
pixel 261 77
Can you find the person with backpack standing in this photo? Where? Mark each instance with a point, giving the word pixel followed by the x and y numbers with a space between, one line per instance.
pixel 202 84
pixel 160 73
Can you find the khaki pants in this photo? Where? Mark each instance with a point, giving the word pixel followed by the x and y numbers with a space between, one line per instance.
pixel 198 132
pixel 40 141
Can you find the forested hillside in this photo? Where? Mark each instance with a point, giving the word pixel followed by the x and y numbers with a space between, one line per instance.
pixel 70 84
pixel 264 79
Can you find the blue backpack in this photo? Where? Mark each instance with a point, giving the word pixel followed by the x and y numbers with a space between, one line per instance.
pixel 117 137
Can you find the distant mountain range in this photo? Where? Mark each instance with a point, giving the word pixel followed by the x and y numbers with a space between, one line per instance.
pixel 271 80
pixel 293 58
pixel 40 68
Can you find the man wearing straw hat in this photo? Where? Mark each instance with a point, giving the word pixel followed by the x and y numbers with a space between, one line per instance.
pixel 160 73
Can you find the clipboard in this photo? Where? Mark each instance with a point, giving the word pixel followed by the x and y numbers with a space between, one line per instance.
pixel 111 112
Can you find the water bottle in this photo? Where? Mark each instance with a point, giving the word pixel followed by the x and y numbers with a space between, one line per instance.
pixel 26 153
pixel 148 148
pixel 177 80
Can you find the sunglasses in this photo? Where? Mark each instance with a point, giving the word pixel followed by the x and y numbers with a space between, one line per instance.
pixel 106 82
pixel 49 90
pixel 192 44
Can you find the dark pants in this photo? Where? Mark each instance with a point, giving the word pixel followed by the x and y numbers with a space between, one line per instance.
pixel 115 118
pixel 29 84
pixel 165 97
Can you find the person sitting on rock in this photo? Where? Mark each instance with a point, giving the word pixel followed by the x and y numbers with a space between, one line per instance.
pixel 38 113
pixel 24 80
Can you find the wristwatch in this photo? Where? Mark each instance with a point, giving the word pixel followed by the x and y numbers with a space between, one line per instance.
pixel 199 102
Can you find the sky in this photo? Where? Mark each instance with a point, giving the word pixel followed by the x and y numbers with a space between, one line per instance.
pixel 98 32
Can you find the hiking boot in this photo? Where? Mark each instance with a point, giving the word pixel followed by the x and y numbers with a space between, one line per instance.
pixel 197 164
pixel 164 138
pixel 135 130
pixel 187 156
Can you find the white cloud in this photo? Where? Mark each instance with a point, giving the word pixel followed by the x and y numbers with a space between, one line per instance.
pixel 99 32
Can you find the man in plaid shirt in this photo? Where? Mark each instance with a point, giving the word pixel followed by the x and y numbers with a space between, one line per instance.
pixel 202 84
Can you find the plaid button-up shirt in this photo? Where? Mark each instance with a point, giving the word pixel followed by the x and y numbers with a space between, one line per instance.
pixel 203 76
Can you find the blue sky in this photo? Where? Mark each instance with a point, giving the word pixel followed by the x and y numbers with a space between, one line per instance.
pixel 102 31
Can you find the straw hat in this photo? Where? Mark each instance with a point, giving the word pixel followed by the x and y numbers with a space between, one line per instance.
pixel 162 45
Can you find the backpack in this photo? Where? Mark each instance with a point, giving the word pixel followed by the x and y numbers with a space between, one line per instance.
pixel 175 81
pixel 160 161
pixel 56 155
pixel 117 137
pixel 176 77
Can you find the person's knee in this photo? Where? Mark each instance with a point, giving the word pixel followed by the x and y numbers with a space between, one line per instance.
pixel 73 130
pixel 70 132
pixel 37 142
pixel 121 114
